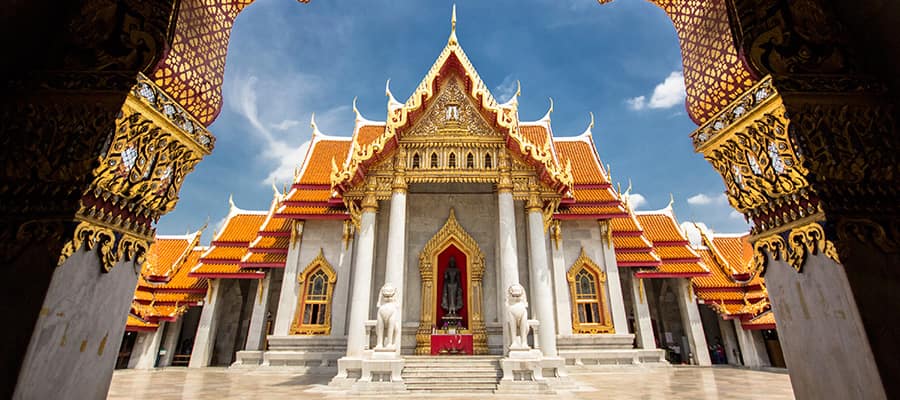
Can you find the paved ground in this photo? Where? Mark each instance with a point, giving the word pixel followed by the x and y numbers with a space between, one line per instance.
pixel 629 382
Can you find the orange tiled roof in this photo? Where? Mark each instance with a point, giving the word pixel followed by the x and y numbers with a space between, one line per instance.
pixel 317 169
pixel 165 253
pixel 660 228
pixel 631 242
pixel 366 135
pixel 737 251
pixel 672 247
pixel 182 279
pixel 276 225
pixel 309 195
pixel 270 243
pixel 535 133
pixel 765 320
pixel 242 226
pixel 136 324
pixel 595 195
pixel 233 271
pixel 263 258
pixel 586 168
pixel 224 253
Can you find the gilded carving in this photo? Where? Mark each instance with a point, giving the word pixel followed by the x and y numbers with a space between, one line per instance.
pixel 316 295
pixel 793 247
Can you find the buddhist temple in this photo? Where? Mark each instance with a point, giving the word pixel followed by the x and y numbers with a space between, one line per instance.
pixel 450 228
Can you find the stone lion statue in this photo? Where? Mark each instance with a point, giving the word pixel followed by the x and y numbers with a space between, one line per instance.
pixel 387 326
pixel 517 316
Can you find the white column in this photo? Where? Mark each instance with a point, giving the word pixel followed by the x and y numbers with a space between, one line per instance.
pixel 257 332
pixel 202 353
pixel 146 348
pixel 613 284
pixel 362 282
pixel 753 347
pixel 509 259
pixel 395 261
pixel 643 323
pixel 563 295
pixel 339 302
pixel 729 341
pixel 170 341
pixel 290 290
pixel 690 320
pixel 540 279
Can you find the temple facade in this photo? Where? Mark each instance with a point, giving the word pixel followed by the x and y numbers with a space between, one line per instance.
pixel 451 228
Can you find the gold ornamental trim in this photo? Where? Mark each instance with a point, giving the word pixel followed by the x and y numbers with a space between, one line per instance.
pixel 793 247
pixel 452 233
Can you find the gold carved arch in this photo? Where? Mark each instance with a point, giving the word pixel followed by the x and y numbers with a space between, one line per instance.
pixel 586 318
pixel 452 233
pixel 320 300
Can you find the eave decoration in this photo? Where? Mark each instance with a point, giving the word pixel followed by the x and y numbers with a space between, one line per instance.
pixel 749 144
pixel 155 145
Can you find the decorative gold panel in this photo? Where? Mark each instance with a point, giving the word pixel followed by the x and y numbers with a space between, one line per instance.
pixel 155 145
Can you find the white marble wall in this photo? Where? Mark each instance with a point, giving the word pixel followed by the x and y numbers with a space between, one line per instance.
pixel 146 348
pixel 170 341
pixel 578 234
pixel 821 332
pixel 202 352
pixel 729 341
pixel 78 333
pixel 324 235
pixel 690 320
pixel 259 296
pixel 753 347
pixel 427 213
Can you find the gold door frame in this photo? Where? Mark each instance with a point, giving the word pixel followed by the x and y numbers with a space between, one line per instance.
pixel 452 233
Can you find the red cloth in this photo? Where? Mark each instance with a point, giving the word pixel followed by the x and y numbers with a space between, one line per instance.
pixel 463 267
pixel 439 342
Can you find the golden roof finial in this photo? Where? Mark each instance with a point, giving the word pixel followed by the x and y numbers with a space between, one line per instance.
pixel 452 39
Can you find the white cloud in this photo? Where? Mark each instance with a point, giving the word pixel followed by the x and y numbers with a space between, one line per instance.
pixel 250 98
pixel 736 215
pixel 637 103
pixel 667 94
pixel 285 125
pixel 636 200
pixel 506 89
pixel 701 199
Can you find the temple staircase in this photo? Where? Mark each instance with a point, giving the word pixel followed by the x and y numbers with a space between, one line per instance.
pixel 451 373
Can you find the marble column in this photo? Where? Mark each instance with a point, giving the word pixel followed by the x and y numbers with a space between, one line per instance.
pixel 395 260
pixel 362 279
pixel 509 259
pixel 146 348
pixel 613 284
pixel 170 341
pixel 753 347
pixel 75 341
pixel 561 285
pixel 541 281
pixel 290 290
pixel 691 322
pixel 341 297
pixel 205 339
pixel 643 323
pixel 729 341
pixel 256 335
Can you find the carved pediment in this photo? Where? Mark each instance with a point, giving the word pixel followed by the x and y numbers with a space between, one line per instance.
pixel 452 113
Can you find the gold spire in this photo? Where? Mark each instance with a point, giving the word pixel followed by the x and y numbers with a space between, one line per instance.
pixel 452 39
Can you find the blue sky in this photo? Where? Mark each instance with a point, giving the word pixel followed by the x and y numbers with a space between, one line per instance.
pixel 286 60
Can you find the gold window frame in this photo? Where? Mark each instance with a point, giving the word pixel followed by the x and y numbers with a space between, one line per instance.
pixel 317 264
pixel 605 326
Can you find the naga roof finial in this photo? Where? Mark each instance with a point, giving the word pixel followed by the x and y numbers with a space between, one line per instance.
pixel 312 124
pixel 356 110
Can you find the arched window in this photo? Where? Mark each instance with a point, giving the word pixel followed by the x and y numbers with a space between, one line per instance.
pixel 487 161
pixel 314 304
pixel 434 163
pixel 451 162
pixel 415 162
pixel 470 161
pixel 590 311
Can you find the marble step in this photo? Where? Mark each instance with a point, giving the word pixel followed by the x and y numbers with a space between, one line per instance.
pixel 451 372
pixel 461 381
pixel 456 388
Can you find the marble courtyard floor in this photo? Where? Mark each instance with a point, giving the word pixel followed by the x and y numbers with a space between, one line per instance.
pixel 626 382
